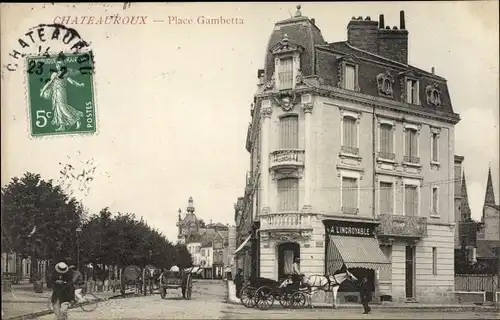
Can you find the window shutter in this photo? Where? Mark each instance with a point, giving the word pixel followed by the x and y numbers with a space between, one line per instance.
pixel 289 132
pixel 286 73
pixel 434 147
pixel 409 92
pixel 350 77
pixel 350 134
pixel 288 194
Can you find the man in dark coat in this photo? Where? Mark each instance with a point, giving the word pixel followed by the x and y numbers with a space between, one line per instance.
pixel 366 294
pixel 63 292
pixel 238 281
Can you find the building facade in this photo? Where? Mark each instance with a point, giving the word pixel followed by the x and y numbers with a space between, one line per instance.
pixel 352 162
pixel 208 244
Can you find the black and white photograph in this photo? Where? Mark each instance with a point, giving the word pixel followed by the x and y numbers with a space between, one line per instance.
pixel 243 160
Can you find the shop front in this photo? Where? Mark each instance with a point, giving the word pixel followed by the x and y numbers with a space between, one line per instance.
pixel 353 245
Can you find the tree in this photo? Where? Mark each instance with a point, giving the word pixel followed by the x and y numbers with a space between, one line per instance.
pixel 38 216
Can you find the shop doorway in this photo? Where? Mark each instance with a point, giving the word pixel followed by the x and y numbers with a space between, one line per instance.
pixel 410 272
pixel 287 252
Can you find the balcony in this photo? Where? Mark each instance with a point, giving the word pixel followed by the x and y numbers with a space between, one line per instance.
pixel 386 156
pixel 286 158
pixel 411 160
pixel 350 150
pixel 285 221
pixel 396 226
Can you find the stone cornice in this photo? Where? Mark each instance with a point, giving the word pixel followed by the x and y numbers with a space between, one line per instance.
pixel 378 102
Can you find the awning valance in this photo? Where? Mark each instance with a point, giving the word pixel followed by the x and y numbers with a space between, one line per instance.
pixel 357 252
pixel 243 244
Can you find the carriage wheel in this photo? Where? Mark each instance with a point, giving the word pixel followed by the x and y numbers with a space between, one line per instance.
pixel 163 292
pixel 286 300
pixel 264 298
pixel 247 296
pixel 298 300
pixel 189 287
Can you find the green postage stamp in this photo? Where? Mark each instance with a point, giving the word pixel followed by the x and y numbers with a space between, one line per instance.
pixel 61 94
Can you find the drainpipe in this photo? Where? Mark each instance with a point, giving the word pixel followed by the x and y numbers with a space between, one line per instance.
pixel 374 158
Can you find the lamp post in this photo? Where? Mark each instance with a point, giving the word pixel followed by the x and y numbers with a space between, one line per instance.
pixel 78 232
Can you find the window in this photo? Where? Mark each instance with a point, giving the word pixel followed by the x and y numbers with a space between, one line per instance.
pixel 434 260
pixel 411 200
pixel 435 141
pixel 386 141
pixel 412 91
pixel 202 253
pixel 286 73
pixel 349 195
pixel 350 77
pixel 289 132
pixel 288 193
pixel 386 198
pixel 435 201
pixel 350 135
pixel 411 147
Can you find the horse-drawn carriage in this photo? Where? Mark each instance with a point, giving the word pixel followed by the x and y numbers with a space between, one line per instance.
pixel 176 279
pixel 262 292
pixel 141 280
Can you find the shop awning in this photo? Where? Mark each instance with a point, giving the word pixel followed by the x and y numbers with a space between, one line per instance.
pixel 243 244
pixel 358 252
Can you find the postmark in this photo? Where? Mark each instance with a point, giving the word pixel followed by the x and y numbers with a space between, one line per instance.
pixel 60 93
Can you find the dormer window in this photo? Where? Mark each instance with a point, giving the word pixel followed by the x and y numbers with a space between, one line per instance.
pixel 412 88
pixel 286 73
pixel 348 69
pixel 350 77
pixel 286 63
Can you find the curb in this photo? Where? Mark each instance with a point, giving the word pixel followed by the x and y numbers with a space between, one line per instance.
pixel 46 312
pixel 393 308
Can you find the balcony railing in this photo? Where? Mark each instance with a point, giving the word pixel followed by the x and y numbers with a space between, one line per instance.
pixel 285 221
pixel 386 156
pixel 287 158
pixel 397 226
pixel 410 159
pixel 349 150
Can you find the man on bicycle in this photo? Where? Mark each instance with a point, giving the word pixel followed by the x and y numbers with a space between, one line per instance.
pixel 78 282
pixel 63 293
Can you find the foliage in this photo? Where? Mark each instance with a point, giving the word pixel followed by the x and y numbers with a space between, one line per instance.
pixel 30 201
pixel 104 238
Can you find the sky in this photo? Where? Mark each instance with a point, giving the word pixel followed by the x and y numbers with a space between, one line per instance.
pixel 173 101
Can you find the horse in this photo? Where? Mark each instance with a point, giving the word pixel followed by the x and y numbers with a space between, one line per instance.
pixel 151 278
pixel 331 284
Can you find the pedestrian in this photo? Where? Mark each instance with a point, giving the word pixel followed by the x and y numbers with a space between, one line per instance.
pixel 366 294
pixel 296 275
pixel 63 292
pixel 238 282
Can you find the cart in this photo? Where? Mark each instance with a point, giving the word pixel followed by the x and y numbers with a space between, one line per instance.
pixel 176 279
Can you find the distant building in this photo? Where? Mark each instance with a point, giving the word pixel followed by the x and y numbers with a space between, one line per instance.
pixel 350 147
pixel 488 240
pixel 208 244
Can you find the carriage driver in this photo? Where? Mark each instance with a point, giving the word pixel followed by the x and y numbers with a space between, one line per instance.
pixel 296 275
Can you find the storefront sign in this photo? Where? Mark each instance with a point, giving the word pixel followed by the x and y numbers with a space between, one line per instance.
pixel 347 228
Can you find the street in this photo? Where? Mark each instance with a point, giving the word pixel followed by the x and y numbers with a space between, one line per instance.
pixel 208 302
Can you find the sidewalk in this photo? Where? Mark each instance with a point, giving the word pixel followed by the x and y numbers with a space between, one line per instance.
pixel 231 298
pixel 22 300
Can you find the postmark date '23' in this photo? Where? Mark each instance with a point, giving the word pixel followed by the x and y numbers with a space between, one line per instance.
pixel 61 94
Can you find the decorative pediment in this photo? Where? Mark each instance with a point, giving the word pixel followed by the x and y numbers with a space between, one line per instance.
pixel 410 73
pixel 433 94
pixel 384 84
pixel 286 101
pixel 349 58
pixel 286 46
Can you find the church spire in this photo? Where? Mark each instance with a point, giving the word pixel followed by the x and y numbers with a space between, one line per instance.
pixel 465 214
pixel 489 197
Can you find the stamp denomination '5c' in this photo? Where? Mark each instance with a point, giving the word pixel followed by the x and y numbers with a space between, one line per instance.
pixel 61 94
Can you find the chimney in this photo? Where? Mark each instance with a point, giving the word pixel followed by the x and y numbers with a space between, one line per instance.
pixel 393 43
pixel 381 23
pixel 363 34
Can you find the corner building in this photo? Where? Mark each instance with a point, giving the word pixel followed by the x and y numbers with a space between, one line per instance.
pixel 352 163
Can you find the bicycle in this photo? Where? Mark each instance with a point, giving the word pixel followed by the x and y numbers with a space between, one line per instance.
pixel 88 302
